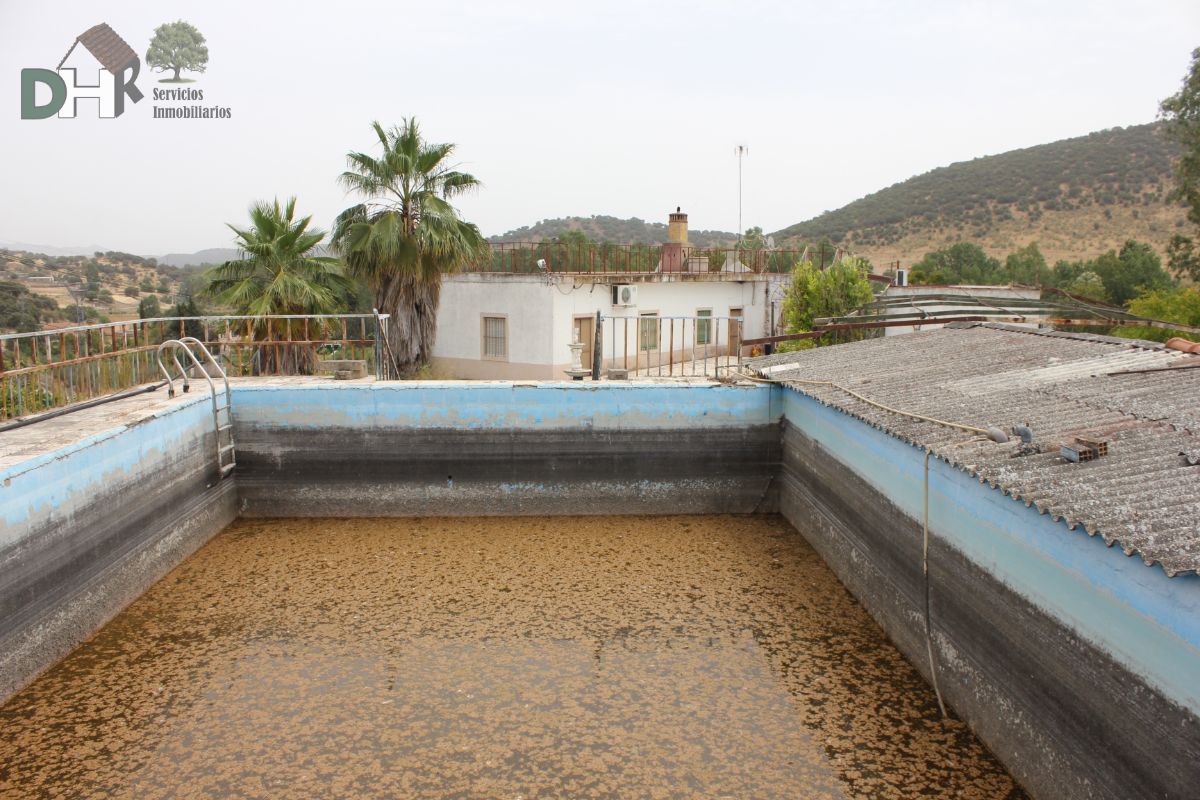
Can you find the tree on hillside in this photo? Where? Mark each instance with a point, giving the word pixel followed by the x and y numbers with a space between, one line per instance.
pixel 1181 120
pixel 574 238
pixel 1180 114
pixel 815 293
pixel 406 233
pixel 964 263
pixel 23 311
pixel 188 308
pixel 149 308
pixel 1183 257
pixel 1027 265
pixel 177 46
pixel 753 239
pixel 1135 269
pixel 1087 284
pixel 279 273
pixel 1065 272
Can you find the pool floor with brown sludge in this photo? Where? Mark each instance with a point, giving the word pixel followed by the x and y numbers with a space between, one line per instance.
pixel 500 657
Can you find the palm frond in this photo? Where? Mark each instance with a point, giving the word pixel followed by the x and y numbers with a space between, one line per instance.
pixel 278 272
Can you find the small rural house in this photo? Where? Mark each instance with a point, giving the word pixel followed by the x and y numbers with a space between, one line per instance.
pixel 518 323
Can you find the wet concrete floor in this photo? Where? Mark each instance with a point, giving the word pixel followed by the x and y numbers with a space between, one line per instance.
pixel 653 657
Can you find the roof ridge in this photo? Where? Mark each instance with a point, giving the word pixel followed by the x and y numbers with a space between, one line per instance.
pixel 1095 338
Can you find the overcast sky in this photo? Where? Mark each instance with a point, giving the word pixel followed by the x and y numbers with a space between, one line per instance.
pixel 622 108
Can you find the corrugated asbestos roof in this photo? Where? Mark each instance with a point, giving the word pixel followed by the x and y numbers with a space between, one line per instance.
pixel 1144 495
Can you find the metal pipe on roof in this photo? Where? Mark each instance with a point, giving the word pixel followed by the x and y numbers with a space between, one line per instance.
pixel 1154 369
pixel 58 412
pixel 990 432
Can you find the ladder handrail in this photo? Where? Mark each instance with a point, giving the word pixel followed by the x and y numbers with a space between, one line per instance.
pixel 185 344
pixel 187 340
pixel 166 373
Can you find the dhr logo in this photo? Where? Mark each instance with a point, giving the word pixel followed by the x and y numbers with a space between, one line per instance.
pixel 119 69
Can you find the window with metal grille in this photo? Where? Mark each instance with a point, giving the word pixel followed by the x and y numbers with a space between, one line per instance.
pixel 495 337
pixel 648 331
pixel 704 326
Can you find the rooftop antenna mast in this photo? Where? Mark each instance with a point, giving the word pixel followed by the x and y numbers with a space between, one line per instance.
pixel 741 151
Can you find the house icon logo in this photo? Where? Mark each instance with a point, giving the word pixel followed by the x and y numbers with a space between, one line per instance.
pixel 117 70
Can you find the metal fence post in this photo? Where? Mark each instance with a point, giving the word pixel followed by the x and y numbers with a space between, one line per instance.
pixel 597 347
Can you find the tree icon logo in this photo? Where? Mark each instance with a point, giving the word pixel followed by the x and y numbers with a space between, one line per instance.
pixel 177 46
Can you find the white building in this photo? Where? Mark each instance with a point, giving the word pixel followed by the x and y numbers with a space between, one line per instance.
pixel 519 326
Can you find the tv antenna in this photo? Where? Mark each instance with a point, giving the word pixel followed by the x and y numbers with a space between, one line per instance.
pixel 742 150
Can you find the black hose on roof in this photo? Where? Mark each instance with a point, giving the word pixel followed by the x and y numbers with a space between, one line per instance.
pixel 58 412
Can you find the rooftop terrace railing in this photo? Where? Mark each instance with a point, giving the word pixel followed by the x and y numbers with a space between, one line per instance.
pixel 517 258
pixel 43 370
pixel 671 346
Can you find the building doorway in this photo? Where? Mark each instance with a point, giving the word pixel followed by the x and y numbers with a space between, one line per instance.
pixel 735 332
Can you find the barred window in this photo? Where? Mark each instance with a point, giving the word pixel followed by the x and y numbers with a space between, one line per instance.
pixel 648 331
pixel 704 326
pixel 495 337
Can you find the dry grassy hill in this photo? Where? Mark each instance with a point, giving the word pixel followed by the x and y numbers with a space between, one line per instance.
pixel 1077 198
pixel 1066 234
pixel 111 283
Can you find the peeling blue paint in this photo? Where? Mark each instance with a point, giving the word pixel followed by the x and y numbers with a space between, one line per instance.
pixel 53 484
pixel 490 406
pixel 1147 621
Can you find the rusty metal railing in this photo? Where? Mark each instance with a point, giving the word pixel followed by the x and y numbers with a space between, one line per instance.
pixel 671 346
pixel 43 370
pixel 624 259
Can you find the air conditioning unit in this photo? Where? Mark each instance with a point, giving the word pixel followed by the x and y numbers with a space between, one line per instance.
pixel 624 294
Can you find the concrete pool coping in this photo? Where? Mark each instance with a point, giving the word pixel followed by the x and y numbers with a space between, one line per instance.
pixel 77 428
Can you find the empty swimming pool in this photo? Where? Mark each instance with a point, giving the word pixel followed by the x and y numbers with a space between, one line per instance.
pixel 687 656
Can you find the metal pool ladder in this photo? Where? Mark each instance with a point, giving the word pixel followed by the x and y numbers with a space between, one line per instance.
pixel 226 456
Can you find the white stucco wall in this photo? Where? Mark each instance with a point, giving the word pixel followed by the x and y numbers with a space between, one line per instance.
pixel 667 298
pixel 524 300
pixel 541 311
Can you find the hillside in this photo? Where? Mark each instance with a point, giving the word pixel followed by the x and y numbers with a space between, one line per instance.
pixel 1076 197
pixel 213 255
pixel 107 284
pixel 611 229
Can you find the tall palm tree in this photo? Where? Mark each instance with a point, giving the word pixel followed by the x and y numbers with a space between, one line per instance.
pixel 406 234
pixel 279 273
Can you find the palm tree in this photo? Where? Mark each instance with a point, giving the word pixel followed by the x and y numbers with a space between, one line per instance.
pixel 405 234
pixel 279 273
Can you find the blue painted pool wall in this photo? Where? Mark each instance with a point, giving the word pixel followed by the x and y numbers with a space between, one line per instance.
pixel 1149 622
pixel 52 485
pixel 88 527
pixel 455 448
pixel 1076 664
pixel 459 405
